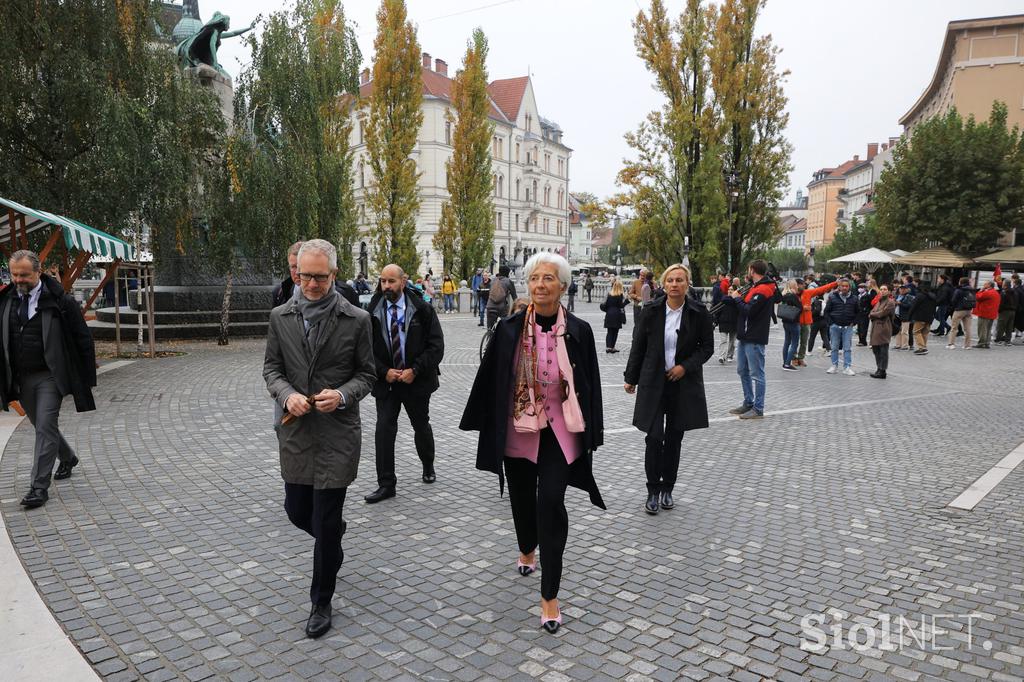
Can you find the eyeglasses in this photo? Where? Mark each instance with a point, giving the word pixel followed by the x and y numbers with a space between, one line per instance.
pixel 307 276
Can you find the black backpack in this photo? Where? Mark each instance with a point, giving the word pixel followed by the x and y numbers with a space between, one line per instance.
pixel 968 301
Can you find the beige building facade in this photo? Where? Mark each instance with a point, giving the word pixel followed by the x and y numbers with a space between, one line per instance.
pixel 982 60
pixel 530 171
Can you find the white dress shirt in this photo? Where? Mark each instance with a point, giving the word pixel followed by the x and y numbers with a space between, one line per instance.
pixel 33 299
pixel 673 320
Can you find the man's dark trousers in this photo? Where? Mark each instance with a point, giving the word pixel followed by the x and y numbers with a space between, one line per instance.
pixel 417 406
pixel 41 399
pixel 319 513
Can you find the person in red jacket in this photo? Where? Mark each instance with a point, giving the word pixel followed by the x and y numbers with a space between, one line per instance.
pixel 986 310
pixel 806 319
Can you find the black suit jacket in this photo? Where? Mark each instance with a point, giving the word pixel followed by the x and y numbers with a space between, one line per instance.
pixel 67 344
pixel 424 344
pixel 646 365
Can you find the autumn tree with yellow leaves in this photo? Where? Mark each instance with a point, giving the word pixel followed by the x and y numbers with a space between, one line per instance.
pixel 719 132
pixel 393 126
pixel 465 235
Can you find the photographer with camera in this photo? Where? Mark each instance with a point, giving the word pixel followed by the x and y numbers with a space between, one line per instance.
pixel 755 309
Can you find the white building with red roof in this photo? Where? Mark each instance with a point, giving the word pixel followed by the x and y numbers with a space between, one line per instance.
pixel 530 171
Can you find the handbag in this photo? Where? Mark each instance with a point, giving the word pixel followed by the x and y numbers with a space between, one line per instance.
pixel 789 313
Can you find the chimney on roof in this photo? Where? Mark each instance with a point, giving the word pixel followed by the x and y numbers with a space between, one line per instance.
pixel 426 60
pixel 872 150
pixel 441 66
pixel 856 157
pixel 364 76
pixel 893 141
pixel 885 145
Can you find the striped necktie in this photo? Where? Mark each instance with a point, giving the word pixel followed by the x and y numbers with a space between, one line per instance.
pixel 396 339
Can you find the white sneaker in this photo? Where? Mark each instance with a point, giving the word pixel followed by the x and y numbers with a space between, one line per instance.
pixel 825 353
pixel 849 372
pixel 832 370
pixel 950 346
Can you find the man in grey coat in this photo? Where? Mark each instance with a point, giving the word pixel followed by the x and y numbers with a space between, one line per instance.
pixel 318 366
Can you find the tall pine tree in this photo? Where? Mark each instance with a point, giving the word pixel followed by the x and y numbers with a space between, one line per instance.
pixel 465 235
pixel 393 126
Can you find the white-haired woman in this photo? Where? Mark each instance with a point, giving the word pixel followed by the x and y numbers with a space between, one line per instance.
pixel 672 340
pixel 536 402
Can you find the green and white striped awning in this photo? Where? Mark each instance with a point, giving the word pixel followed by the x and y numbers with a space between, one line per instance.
pixel 76 235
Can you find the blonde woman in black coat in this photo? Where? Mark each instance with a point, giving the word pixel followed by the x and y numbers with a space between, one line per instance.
pixel 614 308
pixel 672 341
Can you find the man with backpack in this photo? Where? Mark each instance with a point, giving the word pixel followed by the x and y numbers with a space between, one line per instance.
pixel 571 291
pixel 962 304
pixel 501 295
pixel 588 287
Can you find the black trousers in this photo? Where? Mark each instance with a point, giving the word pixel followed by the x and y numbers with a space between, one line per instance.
pixel 572 303
pixel 819 327
pixel 417 407
pixel 881 356
pixel 664 441
pixel 611 338
pixel 537 494
pixel 319 513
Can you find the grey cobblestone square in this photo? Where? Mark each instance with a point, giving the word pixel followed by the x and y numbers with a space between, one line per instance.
pixel 168 554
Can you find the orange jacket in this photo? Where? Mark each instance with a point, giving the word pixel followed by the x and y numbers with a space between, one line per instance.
pixel 805 300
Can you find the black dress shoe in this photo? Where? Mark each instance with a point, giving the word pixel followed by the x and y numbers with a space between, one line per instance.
pixel 379 494
pixel 64 469
pixel 319 621
pixel 36 497
pixel 428 474
pixel 666 501
pixel 651 507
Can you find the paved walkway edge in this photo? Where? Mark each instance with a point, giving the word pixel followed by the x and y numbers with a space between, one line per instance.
pixel 31 640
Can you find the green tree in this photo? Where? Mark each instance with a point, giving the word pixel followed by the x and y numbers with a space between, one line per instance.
pixel 957 183
pixel 748 91
pixel 465 234
pixel 393 126
pixel 291 138
pixel 98 122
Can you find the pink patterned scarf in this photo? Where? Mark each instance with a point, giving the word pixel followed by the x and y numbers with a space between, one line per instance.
pixel 528 397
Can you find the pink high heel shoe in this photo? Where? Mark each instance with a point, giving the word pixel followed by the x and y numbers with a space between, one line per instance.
pixel 551 624
pixel 525 569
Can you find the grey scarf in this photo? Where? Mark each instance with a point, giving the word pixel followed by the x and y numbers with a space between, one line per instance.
pixel 315 312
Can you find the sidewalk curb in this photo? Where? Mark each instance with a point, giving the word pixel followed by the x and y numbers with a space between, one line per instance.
pixel 31 639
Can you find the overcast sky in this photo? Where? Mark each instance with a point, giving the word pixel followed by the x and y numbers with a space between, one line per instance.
pixel 856 66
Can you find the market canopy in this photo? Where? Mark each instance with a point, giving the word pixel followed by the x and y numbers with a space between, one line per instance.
pixel 936 257
pixel 870 256
pixel 24 220
pixel 899 252
pixel 1012 255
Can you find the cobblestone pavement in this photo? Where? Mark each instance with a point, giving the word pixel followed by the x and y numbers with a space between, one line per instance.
pixel 168 554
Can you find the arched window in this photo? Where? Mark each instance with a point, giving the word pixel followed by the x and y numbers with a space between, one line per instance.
pixel 447 132
pixel 501 186
pixel 362 175
pixel 517 189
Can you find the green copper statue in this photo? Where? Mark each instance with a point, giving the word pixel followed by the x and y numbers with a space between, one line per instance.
pixel 201 48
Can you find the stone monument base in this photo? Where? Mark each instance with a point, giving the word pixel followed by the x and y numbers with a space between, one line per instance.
pixel 190 313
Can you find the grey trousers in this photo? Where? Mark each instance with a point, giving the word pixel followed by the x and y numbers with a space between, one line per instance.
pixel 41 400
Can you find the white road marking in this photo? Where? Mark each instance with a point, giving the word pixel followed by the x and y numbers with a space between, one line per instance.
pixel 813 408
pixel 977 491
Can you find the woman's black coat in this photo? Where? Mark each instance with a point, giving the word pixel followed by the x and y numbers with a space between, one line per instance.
pixel 614 308
pixel 645 368
pixel 490 399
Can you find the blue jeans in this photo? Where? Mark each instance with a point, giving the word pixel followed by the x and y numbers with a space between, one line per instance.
pixel 844 335
pixel 449 302
pixel 481 306
pixel 750 367
pixel 791 343
pixel 942 315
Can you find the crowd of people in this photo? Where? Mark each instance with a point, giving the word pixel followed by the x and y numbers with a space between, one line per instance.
pixel 536 400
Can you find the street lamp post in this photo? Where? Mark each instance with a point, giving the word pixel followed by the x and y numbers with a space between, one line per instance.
pixel 731 183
